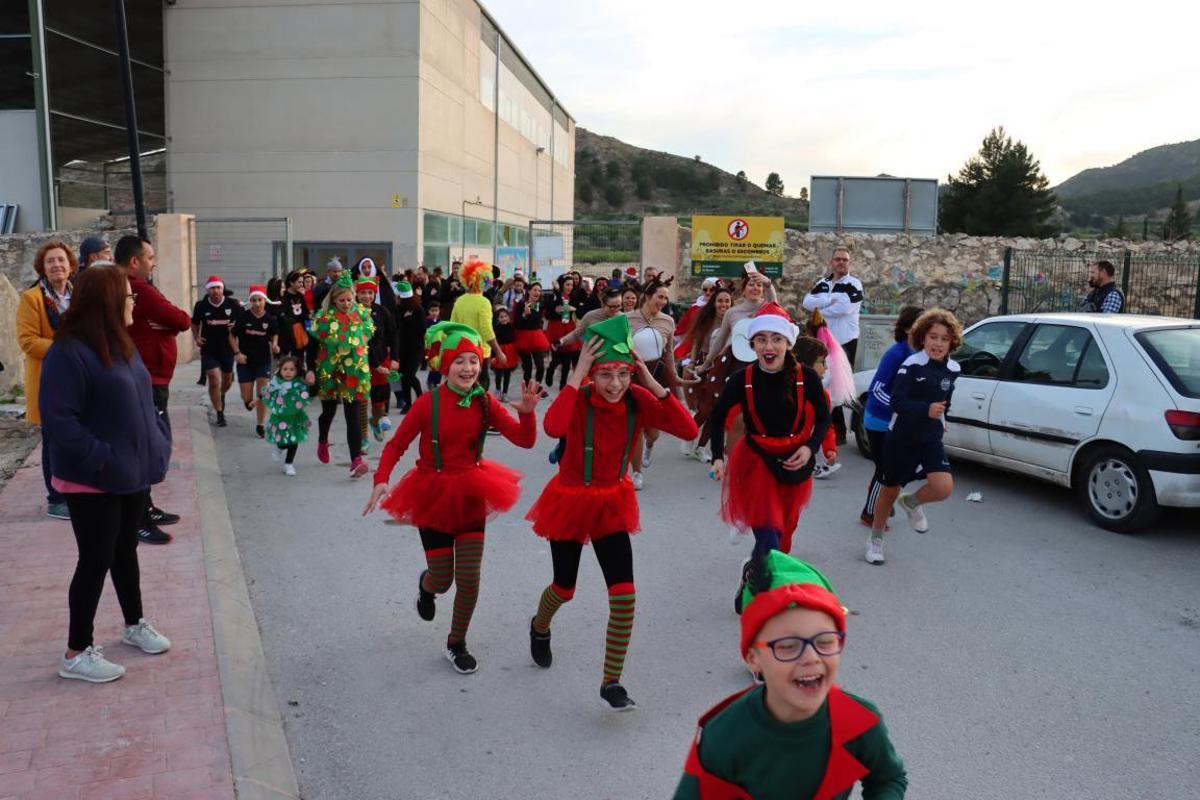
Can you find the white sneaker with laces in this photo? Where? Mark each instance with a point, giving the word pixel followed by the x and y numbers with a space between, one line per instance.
pixel 145 638
pixel 875 550
pixel 916 515
pixel 688 447
pixel 647 456
pixel 90 666
pixel 820 471
pixel 289 469
pixel 832 468
pixel 638 481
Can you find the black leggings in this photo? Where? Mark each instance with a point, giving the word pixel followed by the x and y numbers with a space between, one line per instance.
pixel 289 451
pixel 503 379
pixel 350 411
pixel 614 552
pixel 409 384
pixel 877 440
pixel 567 362
pixel 106 528
pixel 532 361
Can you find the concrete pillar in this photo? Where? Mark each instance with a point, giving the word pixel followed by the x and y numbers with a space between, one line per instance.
pixel 11 354
pixel 660 243
pixel 175 275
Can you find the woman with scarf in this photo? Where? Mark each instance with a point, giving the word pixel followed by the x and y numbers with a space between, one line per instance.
pixel 294 319
pixel 38 317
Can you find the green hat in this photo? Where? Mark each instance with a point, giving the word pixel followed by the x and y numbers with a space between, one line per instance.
pixel 404 289
pixel 784 582
pixel 345 280
pixel 616 341
pixel 446 340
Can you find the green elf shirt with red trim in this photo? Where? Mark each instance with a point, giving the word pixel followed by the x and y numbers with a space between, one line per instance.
pixel 741 752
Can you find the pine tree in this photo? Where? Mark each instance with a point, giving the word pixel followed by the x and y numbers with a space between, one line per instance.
pixel 803 194
pixel 999 192
pixel 741 181
pixel 1121 229
pixel 774 184
pixel 1179 221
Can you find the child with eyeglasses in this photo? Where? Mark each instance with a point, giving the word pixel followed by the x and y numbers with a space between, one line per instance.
pixel 796 735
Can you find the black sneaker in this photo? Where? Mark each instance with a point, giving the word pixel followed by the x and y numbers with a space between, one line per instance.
pixel 426 608
pixel 615 698
pixel 150 534
pixel 221 419
pixel 737 598
pixel 260 431
pixel 159 517
pixel 539 647
pixel 203 380
pixel 464 663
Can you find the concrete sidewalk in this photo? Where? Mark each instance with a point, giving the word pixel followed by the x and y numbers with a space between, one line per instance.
pixel 160 731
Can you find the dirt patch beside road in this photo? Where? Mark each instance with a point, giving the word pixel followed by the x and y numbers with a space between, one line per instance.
pixel 17 439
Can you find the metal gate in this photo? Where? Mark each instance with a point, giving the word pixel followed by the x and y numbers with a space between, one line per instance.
pixel 242 251
pixel 1166 284
pixel 594 247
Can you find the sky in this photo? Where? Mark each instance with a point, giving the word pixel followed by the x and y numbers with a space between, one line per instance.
pixel 863 88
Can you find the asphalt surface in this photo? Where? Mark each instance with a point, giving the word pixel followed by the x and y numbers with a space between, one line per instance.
pixel 1015 650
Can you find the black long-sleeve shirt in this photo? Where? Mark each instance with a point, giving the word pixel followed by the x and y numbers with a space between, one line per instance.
pixel 771 390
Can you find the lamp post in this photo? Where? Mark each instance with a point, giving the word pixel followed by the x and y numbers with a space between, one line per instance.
pixel 537 175
pixel 462 232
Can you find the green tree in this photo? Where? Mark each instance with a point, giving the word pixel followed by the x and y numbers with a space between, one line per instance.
pixel 714 181
pixel 595 176
pixel 803 194
pixel 614 195
pixel 643 186
pixel 741 181
pixel 612 170
pixel 1179 221
pixel 1121 229
pixel 774 184
pixel 999 192
pixel 586 194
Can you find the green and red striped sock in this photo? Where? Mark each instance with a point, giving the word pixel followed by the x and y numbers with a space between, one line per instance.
pixel 552 599
pixel 468 556
pixel 441 570
pixel 622 598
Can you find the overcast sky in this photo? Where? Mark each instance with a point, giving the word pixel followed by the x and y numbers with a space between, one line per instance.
pixel 860 88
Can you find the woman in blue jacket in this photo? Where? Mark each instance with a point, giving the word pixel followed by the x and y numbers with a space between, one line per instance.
pixel 107 447
pixel 877 415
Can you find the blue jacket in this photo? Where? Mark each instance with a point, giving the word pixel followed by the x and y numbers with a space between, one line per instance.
pixel 99 422
pixel 919 382
pixel 879 398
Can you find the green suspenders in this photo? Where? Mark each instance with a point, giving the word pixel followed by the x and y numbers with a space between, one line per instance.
pixel 589 435
pixel 437 444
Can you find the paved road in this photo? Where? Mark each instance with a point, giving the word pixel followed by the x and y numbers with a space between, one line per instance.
pixel 1016 651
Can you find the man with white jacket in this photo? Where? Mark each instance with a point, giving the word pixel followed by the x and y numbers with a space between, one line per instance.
pixel 839 296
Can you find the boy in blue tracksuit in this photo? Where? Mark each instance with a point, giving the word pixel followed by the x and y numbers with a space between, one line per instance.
pixel 877 415
pixel 920 397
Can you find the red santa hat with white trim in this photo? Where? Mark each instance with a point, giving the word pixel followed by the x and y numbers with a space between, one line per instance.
pixel 214 280
pixel 258 290
pixel 773 318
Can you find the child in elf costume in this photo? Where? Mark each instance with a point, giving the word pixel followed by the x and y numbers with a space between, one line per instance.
pixel 341 333
pixel 452 491
pixel 797 736
pixel 592 499
pixel 286 397
pixel 768 481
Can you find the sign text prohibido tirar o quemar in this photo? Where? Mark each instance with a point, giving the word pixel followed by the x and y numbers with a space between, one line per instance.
pixel 721 245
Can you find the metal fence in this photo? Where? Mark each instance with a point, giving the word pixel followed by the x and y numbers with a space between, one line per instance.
pixel 594 247
pixel 242 251
pixel 1165 284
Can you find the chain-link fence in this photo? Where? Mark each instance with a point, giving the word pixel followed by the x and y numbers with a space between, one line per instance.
pixel 594 247
pixel 1163 284
pixel 243 251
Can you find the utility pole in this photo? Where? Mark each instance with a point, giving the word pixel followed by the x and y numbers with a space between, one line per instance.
pixel 131 129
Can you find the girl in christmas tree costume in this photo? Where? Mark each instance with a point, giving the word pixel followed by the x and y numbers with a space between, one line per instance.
pixel 341 333
pixel 797 735
pixel 452 491
pixel 592 499
pixel 286 397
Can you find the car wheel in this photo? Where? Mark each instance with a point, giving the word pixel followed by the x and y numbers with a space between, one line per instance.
pixel 1117 491
pixel 860 432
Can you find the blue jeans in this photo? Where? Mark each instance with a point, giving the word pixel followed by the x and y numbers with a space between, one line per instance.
pixel 53 496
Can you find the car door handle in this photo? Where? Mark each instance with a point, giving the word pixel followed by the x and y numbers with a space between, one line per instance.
pixel 978 396
pixel 1084 411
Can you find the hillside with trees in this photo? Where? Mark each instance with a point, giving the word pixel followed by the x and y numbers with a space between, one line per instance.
pixel 615 180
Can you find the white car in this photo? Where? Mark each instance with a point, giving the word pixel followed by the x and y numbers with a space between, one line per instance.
pixel 1107 404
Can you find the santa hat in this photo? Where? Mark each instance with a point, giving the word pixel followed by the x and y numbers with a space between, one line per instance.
pixel 214 280
pixel 616 341
pixel 446 341
pixel 404 290
pixel 773 318
pixel 257 289
pixel 474 273
pixel 365 282
pixel 780 582
pixel 631 271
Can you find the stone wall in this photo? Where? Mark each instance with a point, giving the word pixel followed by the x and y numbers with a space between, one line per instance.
pixel 18 249
pixel 954 271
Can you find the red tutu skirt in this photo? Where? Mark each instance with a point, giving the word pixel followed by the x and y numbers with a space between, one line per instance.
pixel 557 329
pixel 752 498
pixel 584 513
pixel 513 358
pixel 533 341
pixel 453 500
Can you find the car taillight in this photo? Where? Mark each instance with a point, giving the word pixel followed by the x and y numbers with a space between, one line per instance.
pixel 1184 424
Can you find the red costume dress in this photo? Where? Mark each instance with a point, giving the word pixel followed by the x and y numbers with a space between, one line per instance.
pixel 571 507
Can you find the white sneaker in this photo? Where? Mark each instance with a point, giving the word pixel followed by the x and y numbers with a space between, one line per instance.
pixel 831 468
pixel 647 456
pixel 145 638
pixel 875 550
pixel 385 424
pixel 688 447
pixel 90 666
pixel 916 515
pixel 638 480
pixel 820 471
pixel 705 454
pixel 735 536
pixel 289 469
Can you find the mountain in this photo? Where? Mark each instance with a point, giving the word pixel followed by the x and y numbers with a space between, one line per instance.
pixel 615 180
pixel 1169 163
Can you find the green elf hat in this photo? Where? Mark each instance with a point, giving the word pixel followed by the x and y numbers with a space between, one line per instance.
pixel 345 281
pixel 404 290
pixel 616 341
pixel 446 341
pixel 785 582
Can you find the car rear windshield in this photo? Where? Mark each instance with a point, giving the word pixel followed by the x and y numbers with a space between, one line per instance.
pixel 1176 351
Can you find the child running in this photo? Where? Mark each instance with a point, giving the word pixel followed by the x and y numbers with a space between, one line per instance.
pixel 380 354
pixel 286 396
pixel 502 326
pixel 769 478
pixel 452 491
pixel 920 399
pixel 592 499
pixel 341 333
pixel 254 338
pixel 798 735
